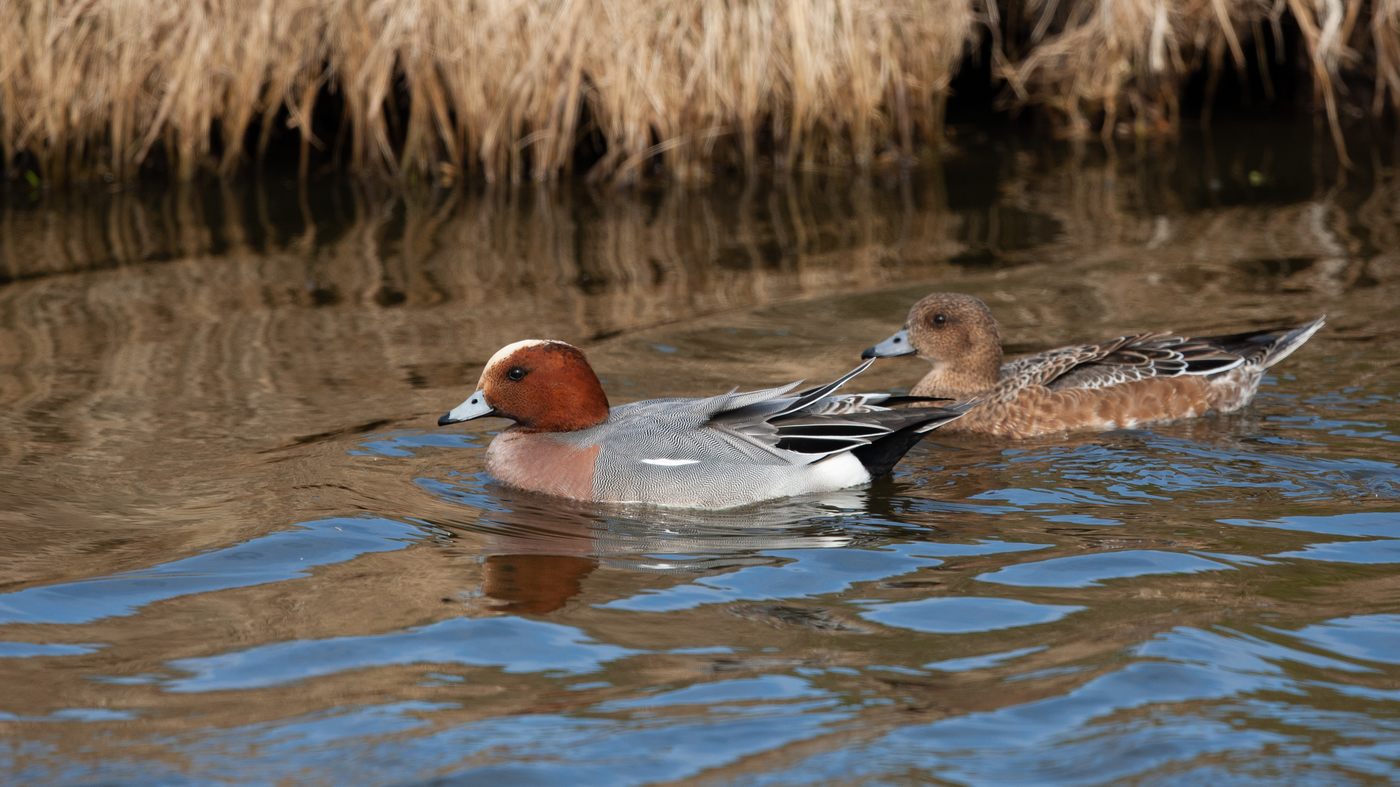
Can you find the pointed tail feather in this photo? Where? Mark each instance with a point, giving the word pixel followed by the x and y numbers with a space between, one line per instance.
pixel 881 455
pixel 813 395
pixel 1285 345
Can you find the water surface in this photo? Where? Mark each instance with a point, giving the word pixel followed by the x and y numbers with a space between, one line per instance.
pixel 234 546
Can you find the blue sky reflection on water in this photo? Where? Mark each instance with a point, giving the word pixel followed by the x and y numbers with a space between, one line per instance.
pixel 247 553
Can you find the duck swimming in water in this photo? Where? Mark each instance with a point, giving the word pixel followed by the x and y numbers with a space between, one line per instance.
pixel 713 452
pixel 1116 384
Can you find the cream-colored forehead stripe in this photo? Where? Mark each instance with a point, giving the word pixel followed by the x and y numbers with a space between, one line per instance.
pixel 510 349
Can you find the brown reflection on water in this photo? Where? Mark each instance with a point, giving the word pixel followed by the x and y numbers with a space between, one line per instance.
pixel 187 372
pixel 166 381
pixel 382 594
pixel 534 584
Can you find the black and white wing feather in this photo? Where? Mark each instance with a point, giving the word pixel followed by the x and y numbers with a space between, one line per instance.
pixel 1122 360
pixel 817 423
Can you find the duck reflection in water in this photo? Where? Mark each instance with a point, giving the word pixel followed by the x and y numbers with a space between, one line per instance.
pixel 538 552
pixel 534 584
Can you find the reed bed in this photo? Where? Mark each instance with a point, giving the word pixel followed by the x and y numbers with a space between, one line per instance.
pixel 514 90
pixel 509 89
pixel 1120 65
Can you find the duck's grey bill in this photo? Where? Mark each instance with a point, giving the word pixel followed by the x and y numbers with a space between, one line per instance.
pixel 889 348
pixel 474 407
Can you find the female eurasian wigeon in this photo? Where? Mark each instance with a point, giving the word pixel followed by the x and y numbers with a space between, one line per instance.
pixel 1116 384
pixel 714 452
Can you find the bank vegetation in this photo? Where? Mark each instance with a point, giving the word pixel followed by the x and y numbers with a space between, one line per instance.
pixel 624 90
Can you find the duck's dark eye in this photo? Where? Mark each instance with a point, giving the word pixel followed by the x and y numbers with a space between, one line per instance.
pixel 516 372
pixel 939 319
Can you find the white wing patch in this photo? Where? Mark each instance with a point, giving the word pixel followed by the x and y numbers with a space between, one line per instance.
pixel 670 462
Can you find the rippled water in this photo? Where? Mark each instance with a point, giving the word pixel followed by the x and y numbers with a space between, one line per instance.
pixel 234 546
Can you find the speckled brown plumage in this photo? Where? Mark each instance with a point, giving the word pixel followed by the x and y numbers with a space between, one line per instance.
pixel 1120 383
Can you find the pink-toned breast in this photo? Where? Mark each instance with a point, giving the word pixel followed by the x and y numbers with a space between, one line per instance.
pixel 540 463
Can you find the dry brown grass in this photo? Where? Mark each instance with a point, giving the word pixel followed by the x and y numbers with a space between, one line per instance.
pixel 1385 37
pixel 1119 65
pixel 500 87
pixel 512 90
pixel 1096 62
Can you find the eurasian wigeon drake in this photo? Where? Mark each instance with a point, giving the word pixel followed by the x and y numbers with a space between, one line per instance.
pixel 1120 383
pixel 714 452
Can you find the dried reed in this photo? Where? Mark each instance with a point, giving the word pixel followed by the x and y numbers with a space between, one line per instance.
pixel 508 88
pixel 1385 38
pixel 511 90
pixel 1117 65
